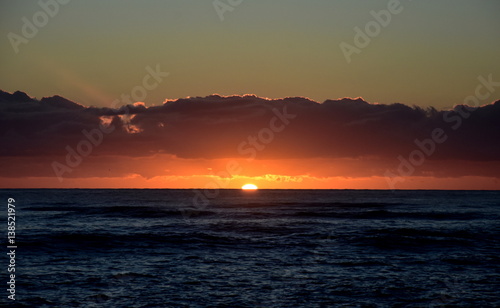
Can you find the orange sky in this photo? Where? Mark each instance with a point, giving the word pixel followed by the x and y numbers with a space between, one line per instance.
pixel 264 182
pixel 221 142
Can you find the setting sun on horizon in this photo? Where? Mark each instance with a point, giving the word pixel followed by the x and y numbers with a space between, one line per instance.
pixel 249 187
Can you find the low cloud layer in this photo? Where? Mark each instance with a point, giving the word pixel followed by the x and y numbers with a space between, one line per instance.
pixel 242 127
pixel 214 127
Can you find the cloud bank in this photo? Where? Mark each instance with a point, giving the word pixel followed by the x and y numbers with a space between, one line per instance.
pixel 366 137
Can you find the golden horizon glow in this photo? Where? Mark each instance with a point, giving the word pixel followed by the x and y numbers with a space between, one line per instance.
pixel 249 187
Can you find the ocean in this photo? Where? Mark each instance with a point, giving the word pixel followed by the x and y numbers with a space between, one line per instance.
pixel 264 248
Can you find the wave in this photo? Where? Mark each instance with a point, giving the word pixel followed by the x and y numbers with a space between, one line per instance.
pixel 409 238
pixel 383 214
pixel 109 241
pixel 123 211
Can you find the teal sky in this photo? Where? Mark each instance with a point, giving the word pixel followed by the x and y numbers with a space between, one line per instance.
pixel 92 51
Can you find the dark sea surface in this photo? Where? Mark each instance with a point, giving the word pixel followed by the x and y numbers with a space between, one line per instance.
pixel 266 248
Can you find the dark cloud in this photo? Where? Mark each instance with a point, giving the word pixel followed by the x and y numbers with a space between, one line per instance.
pixel 215 127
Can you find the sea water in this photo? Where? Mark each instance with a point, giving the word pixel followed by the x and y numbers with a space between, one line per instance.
pixel 265 248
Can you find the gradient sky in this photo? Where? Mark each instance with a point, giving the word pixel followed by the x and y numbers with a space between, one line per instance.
pixel 93 51
pixel 431 54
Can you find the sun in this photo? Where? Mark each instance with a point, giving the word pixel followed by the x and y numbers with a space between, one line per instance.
pixel 249 187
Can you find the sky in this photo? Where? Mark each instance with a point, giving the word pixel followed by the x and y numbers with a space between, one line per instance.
pixel 364 84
